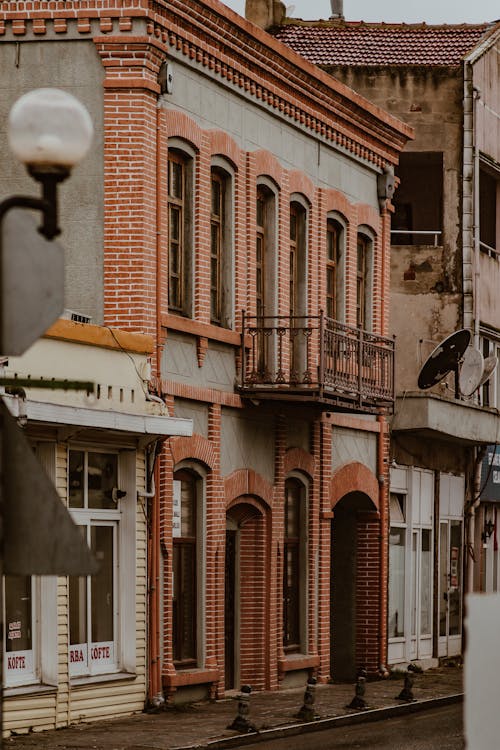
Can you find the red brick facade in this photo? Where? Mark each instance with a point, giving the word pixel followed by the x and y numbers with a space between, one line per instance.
pixel 137 128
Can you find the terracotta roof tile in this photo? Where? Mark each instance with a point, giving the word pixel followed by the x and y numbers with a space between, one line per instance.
pixel 360 43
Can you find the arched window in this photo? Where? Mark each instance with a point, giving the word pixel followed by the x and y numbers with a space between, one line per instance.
pixel 335 294
pixel 294 567
pixel 186 487
pixel 298 254
pixel 221 256
pixel 180 243
pixel 364 282
pixel 265 260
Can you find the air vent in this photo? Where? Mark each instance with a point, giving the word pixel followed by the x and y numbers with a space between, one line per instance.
pixel 76 316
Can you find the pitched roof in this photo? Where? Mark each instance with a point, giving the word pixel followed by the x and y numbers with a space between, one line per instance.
pixel 358 43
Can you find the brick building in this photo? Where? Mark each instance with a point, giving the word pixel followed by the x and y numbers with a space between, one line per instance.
pixel 445 235
pixel 236 207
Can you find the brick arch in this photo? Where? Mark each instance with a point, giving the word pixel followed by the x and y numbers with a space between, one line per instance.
pixel 196 447
pixel 266 164
pixel 354 477
pixel 247 482
pixel 300 183
pixel 179 125
pixel 222 144
pixel 369 216
pixel 336 201
pixel 297 459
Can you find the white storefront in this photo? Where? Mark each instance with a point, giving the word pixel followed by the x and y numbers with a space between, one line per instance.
pixel 425 621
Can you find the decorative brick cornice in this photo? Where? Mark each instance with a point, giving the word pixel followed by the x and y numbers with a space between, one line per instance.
pixel 246 58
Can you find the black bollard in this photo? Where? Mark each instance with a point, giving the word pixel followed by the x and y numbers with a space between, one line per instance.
pixel 358 701
pixel 241 723
pixel 306 713
pixel 407 692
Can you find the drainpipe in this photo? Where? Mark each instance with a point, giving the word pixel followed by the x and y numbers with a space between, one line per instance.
pixel 155 690
pixel 470 517
pixel 468 199
pixel 383 473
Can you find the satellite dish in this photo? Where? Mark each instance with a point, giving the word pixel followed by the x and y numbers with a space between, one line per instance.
pixel 444 359
pixel 490 365
pixel 471 371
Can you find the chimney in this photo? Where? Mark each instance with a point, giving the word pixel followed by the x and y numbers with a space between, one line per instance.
pixel 265 13
pixel 337 10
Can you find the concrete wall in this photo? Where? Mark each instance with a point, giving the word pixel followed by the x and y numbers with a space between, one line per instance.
pixel 75 67
pixel 180 362
pixel 248 442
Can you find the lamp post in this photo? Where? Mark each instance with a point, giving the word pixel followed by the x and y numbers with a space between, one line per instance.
pixel 49 131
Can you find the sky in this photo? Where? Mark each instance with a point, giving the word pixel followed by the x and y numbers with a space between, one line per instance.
pixel 409 11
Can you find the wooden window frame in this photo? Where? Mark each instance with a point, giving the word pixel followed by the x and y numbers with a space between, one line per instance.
pixel 217 227
pixel 177 205
pixel 185 654
pixel 292 550
pixel 362 250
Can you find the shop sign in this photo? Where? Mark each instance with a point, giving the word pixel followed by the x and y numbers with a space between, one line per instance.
pixel 490 475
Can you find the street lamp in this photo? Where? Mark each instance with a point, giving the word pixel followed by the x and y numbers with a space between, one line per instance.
pixel 49 131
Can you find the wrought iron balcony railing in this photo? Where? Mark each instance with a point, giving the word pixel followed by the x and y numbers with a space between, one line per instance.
pixel 315 358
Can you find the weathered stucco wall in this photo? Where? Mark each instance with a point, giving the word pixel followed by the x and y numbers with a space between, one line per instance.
pixel 75 67
pixel 426 301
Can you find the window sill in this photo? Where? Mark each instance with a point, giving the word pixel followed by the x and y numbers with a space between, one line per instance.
pixel 205 330
pixel 93 679
pixel 20 690
pixel 191 677
pixel 297 661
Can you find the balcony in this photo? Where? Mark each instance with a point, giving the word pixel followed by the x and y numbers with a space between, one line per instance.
pixel 317 360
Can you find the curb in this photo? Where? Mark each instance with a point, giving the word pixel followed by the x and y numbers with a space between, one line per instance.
pixel 291 730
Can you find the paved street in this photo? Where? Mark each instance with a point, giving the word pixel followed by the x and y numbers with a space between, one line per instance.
pixel 438 728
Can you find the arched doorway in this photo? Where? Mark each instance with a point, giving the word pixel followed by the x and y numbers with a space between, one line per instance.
pixel 354 582
pixel 246 595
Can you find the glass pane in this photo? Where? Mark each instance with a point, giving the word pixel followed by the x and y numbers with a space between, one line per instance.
pixel 76 479
pixel 77 609
pixel 443 578
pixel 260 212
pixel 184 601
pixel 102 478
pixel 425 584
pixel 291 596
pixel 216 196
pixel 101 585
pixel 18 616
pixel 174 223
pixel 455 594
pixel 175 188
pixel 293 226
pixel 414 584
pixel 188 508
pixel 292 509
pixel 396 582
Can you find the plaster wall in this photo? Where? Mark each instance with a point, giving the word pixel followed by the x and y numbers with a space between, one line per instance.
pixel 246 443
pixel 253 127
pixel 354 445
pixel 197 412
pixel 75 67
pixel 180 362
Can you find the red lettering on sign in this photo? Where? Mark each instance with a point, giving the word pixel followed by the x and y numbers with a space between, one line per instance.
pixel 16 662
pixel 100 652
pixel 75 656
